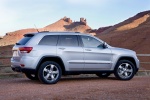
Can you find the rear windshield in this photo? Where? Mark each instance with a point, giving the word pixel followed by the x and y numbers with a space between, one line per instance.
pixel 24 40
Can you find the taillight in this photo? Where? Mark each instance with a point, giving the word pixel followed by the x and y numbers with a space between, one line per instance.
pixel 25 49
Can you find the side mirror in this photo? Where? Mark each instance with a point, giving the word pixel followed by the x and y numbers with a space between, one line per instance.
pixel 105 45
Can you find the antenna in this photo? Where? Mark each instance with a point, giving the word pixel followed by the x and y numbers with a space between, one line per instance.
pixel 36 28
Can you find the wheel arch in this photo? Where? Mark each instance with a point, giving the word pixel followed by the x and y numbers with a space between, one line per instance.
pixel 51 58
pixel 127 58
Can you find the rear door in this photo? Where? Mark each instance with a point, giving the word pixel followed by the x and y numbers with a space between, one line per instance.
pixel 96 57
pixel 71 52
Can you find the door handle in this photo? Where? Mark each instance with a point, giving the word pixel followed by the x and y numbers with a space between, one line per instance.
pixel 88 49
pixel 62 48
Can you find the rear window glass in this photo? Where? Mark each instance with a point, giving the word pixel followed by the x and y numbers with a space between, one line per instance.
pixel 49 40
pixel 24 40
pixel 68 40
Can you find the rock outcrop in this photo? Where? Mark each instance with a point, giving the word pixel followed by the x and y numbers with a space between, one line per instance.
pixel 64 24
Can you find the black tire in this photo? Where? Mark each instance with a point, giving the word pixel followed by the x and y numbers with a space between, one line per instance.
pixel 103 75
pixel 49 72
pixel 124 70
pixel 31 76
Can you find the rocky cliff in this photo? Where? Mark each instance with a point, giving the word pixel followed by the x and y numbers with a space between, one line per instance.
pixel 64 24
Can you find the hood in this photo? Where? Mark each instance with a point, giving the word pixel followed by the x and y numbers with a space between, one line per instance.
pixel 122 51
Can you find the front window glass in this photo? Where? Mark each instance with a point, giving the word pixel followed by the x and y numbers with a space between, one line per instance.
pixel 91 42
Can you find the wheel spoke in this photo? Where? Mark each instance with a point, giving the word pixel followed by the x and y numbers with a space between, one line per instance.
pixel 52 67
pixel 121 72
pixel 120 67
pixel 55 72
pixel 47 76
pixel 52 77
pixel 45 70
pixel 126 66
pixel 126 74
pixel 129 70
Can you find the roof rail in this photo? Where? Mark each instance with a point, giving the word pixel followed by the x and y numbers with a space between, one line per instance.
pixel 43 31
pixel 58 32
pixel 77 32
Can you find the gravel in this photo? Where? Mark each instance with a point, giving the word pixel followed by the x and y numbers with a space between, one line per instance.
pixel 76 88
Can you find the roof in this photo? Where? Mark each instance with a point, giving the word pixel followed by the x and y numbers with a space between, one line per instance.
pixel 57 33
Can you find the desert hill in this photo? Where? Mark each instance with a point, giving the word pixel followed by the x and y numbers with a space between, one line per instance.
pixel 64 24
pixel 133 33
pixel 12 37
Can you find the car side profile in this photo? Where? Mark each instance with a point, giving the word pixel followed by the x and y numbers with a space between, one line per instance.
pixel 49 55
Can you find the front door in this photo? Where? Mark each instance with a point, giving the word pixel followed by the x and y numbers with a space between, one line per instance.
pixel 96 57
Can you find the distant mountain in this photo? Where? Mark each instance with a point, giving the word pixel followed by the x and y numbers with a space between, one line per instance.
pixel 12 37
pixel 64 24
pixel 133 33
pixel 102 29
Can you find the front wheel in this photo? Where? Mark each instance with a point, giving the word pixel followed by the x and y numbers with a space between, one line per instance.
pixel 125 70
pixel 49 72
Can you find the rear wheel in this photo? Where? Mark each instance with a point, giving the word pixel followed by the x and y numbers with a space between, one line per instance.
pixel 31 76
pixel 103 75
pixel 125 70
pixel 49 72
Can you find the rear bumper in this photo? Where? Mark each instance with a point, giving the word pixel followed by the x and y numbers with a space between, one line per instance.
pixel 23 70
pixel 27 61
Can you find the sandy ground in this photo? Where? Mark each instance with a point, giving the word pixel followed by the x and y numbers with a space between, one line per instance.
pixel 77 88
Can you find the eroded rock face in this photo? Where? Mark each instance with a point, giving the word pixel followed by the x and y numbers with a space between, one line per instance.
pixel 64 24
pixel 83 21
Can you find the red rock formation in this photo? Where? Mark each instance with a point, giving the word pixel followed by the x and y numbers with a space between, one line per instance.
pixel 133 33
pixel 83 21
pixel 64 24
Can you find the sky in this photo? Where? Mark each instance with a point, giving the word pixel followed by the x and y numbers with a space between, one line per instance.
pixel 22 14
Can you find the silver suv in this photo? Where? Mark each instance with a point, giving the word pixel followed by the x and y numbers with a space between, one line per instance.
pixel 49 55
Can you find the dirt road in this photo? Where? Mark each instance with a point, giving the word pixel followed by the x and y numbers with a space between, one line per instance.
pixel 90 88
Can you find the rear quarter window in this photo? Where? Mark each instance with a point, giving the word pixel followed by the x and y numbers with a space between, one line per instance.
pixel 49 40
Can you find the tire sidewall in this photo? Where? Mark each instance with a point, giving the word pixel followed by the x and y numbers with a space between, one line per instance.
pixel 40 72
pixel 116 69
